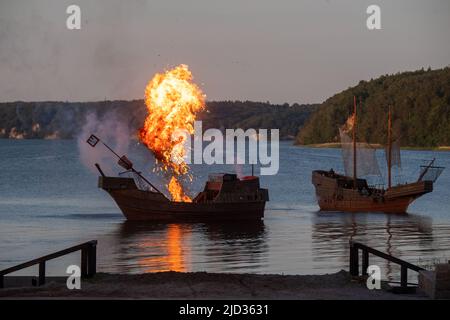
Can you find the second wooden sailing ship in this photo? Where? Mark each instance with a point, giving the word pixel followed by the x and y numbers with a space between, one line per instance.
pixel 343 192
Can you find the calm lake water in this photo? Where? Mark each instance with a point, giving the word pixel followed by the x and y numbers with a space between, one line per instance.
pixel 49 200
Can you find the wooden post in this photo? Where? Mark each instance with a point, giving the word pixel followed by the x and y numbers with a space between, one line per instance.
pixel 354 143
pixel 404 277
pixel 389 148
pixel 365 262
pixel 84 262
pixel 354 264
pixel 41 280
pixel 2 284
pixel 351 255
pixel 92 260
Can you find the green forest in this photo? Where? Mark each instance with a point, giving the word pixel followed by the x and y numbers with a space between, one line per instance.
pixel 420 104
pixel 419 100
pixel 63 120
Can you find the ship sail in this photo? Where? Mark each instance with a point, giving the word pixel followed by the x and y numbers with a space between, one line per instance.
pixel 367 163
pixel 395 154
pixel 430 172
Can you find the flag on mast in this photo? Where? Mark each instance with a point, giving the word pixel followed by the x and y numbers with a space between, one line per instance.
pixel 92 140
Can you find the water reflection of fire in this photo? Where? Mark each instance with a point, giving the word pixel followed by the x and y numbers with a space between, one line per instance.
pixel 175 257
pixel 172 101
pixel 174 251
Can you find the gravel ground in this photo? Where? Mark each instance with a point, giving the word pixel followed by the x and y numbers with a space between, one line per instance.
pixel 202 285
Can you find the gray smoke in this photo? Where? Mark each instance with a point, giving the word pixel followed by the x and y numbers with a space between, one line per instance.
pixel 111 130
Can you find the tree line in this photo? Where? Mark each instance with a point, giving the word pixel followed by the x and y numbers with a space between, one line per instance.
pixel 63 120
pixel 420 104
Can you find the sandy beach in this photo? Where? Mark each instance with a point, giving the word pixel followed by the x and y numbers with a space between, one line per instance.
pixel 201 285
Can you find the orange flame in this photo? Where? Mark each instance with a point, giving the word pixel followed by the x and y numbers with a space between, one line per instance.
pixel 176 190
pixel 172 101
pixel 349 124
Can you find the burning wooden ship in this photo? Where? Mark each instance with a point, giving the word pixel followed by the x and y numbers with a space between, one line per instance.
pixel 225 197
pixel 337 192
pixel 173 100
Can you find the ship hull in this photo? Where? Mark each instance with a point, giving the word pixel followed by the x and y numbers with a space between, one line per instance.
pixel 336 193
pixel 134 207
pixel 137 204
pixel 365 205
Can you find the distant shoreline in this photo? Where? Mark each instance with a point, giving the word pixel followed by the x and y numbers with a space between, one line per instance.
pixel 331 145
pixel 375 145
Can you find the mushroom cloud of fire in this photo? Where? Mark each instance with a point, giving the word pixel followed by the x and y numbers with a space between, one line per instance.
pixel 172 101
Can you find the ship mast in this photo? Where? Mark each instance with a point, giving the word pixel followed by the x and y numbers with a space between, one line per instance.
pixel 354 143
pixel 389 148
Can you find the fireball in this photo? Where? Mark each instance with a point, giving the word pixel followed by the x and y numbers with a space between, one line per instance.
pixel 177 192
pixel 172 101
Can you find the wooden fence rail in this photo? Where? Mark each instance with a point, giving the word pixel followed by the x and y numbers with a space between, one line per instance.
pixel 88 262
pixel 354 262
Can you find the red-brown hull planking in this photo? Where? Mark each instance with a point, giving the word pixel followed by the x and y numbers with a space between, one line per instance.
pixel 147 209
pixel 233 200
pixel 336 193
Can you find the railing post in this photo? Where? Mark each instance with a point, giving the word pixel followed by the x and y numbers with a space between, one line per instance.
pixel 404 276
pixel 41 280
pixel 92 259
pixel 350 267
pixel 365 261
pixel 354 256
pixel 84 262
pixel 1 281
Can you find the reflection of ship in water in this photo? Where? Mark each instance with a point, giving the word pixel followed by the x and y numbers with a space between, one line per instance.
pixel 234 247
pixel 404 236
pixel 150 247
pixel 252 231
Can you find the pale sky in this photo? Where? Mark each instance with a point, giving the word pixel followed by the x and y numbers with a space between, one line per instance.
pixel 262 50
